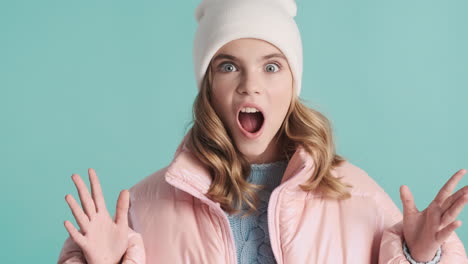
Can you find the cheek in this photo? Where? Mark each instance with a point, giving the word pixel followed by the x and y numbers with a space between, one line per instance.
pixel 280 99
pixel 220 87
pixel 281 87
pixel 220 103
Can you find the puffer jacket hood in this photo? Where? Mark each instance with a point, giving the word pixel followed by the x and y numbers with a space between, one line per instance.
pixel 173 221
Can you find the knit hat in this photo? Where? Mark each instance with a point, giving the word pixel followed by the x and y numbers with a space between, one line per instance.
pixel 220 21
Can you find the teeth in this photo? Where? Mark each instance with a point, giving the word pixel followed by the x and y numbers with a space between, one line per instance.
pixel 249 110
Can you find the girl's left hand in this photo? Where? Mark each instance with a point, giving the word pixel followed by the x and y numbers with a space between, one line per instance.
pixel 424 232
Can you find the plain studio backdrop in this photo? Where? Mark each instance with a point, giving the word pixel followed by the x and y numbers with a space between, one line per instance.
pixel 110 85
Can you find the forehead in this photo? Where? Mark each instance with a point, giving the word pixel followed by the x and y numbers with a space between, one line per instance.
pixel 248 48
pixel 260 58
pixel 249 43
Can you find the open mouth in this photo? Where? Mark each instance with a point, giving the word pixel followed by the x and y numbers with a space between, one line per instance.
pixel 251 122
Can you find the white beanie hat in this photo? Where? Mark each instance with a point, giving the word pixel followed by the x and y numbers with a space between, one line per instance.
pixel 220 21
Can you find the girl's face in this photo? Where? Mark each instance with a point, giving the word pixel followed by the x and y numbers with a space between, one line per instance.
pixel 251 73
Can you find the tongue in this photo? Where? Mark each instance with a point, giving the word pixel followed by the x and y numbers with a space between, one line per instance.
pixel 251 122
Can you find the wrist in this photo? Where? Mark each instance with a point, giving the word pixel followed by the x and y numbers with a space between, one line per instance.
pixel 416 258
pixel 104 262
pixel 423 258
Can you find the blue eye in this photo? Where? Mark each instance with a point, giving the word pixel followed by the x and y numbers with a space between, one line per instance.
pixel 224 68
pixel 277 65
pixel 228 67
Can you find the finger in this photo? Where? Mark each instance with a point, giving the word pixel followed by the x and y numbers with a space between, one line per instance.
pixel 448 187
pixel 80 217
pixel 444 233
pixel 452 213
pixel 121 212
pixel 449 201
pixel 96 191
pixel 434 216
pixel 407 200
pixel 74 234
pixel 85 197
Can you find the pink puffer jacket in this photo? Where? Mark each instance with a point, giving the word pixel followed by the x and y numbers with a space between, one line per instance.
pixel 172 221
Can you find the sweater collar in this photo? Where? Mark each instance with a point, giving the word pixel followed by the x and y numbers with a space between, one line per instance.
pixel 186 172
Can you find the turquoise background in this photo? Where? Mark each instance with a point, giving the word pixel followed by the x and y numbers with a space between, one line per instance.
pixel 110 85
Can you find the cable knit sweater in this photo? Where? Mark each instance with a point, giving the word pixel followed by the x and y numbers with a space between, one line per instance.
pixel 251 233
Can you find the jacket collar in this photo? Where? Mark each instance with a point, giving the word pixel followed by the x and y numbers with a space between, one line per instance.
pixel 186 172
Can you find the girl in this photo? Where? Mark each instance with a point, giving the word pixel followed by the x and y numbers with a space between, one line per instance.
pixel 257 179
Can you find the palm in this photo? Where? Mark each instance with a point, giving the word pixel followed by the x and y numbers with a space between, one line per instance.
pixel 416 228
pixel 425 231
pixel 101 239
pixel 109 237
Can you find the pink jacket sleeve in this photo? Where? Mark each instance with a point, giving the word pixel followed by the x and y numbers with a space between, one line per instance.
pixel 71 253
pixel 391 245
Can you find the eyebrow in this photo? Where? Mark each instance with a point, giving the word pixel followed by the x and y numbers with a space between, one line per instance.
pixel 266 57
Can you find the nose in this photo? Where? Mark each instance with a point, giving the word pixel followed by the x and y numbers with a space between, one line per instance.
pixel 251 84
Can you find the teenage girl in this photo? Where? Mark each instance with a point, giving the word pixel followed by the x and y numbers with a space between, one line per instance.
pixel 257 179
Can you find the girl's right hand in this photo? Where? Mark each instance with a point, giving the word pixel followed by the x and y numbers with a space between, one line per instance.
pixel 101 239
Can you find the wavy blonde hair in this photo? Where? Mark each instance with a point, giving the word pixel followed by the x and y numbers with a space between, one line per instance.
pixel 213 145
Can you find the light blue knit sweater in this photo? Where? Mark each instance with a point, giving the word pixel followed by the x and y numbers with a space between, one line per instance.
pixel 251 233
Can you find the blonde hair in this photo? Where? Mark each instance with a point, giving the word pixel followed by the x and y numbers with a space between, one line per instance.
pixel 213 145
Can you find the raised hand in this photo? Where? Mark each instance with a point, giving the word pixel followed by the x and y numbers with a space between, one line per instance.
pixel 101 238
pixel 424 232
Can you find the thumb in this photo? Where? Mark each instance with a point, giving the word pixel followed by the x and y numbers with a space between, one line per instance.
pixel 136 250
pixel 121 212
pixel 407 200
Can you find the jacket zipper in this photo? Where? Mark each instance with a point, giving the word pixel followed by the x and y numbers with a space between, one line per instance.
pixel 272 223
pixel 230 236
pixel 225 228
pixel 273 220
